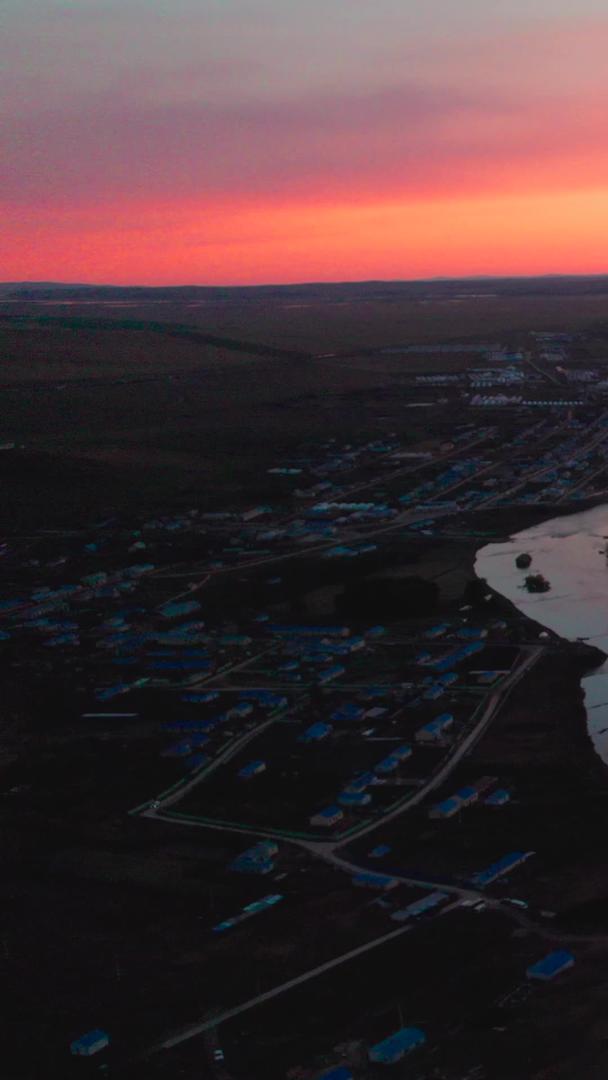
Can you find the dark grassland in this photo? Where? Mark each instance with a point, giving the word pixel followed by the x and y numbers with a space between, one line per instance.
pixel 150 400
pixel 135 397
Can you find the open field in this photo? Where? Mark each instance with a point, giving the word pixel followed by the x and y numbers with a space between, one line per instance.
pixel 172 610
pixel 320 318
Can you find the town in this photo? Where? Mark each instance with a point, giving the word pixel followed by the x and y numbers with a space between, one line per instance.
pixel 296 734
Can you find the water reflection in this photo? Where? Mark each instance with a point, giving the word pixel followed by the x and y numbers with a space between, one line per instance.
pixel 569 551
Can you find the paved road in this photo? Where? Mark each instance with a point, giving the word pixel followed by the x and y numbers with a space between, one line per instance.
pixel 229 1014
pixel 324 849
pixel 329 852
pixel 174 795
pixel 402 521
pixel 538 474
pixel 487 712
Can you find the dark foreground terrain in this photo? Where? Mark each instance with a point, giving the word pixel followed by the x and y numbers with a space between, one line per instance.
pixel 233 516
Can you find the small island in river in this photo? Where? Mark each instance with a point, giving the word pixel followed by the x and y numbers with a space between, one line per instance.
pixel 537 583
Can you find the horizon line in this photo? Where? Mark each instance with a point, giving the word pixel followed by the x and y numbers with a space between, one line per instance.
pixel 304 284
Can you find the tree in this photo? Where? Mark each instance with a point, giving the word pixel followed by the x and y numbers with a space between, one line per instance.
pixel 376 598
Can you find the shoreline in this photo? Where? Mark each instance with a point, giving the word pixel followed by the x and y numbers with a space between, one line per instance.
pixel 590 657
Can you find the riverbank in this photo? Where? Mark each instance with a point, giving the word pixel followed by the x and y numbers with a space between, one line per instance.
pixel 539 745
pixel 570 552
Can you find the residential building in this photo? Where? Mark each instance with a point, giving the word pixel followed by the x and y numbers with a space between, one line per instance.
pixel 396 1046
pixel 90 1044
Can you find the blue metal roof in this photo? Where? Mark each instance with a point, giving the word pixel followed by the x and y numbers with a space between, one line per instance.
pixel 198 698
pixel 466 792
pixel 315 732
pixel 91 1038
pixel 252 768
pixel 502 866
pixel 180 607
pixel 354 798
pixel 330 812
pixel 448 806
pixel 394 1046
pixel 379 851
pixel 197 761
pixel 376 881
pixel 434 727
pixel 348 711
pixel 403 752
pixel 551 965
pixel 432 693
pixel 498 797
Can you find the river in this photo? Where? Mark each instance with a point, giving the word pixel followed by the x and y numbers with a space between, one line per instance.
pixel 569 551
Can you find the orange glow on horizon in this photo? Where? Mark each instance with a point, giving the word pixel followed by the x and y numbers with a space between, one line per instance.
pixel 385 140
pixel 498 235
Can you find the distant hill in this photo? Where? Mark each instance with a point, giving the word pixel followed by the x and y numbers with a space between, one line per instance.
pixel 369 290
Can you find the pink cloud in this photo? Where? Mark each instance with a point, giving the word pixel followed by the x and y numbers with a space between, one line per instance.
pixel 412 139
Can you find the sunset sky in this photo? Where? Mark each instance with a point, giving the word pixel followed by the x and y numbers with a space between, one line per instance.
pixel 248 141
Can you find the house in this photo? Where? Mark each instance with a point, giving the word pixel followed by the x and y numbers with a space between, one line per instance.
pixel 449 679
pixel 198 698
pixel 387 765
pixel 268 848
pixel 380 851
pixel 177 608
pixel 419 907
pixel 330 674
pixel 434 692
pixel 266 699
pixel 435 729
pixel 354 644
pixel 402 752
pixel 90 1044
pixel 467 795
pixel 395 1047
pixel 316 732
pixel 445 809
pixel 360 782
pixel 255 512
pixel 499 869
pixel 257 859
pixel 354 798
pixel 551 965
pixel 140 569
pixel 376 713
pixel 186 746
pixel 367 879
pixel 498 798
pixel 463 652
pixel 239 711
pixel 349 712
pixel 486 678
pixel 254 768
pixel 309 631
pixel 197 761
pixel 98 578
pixel 331 815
